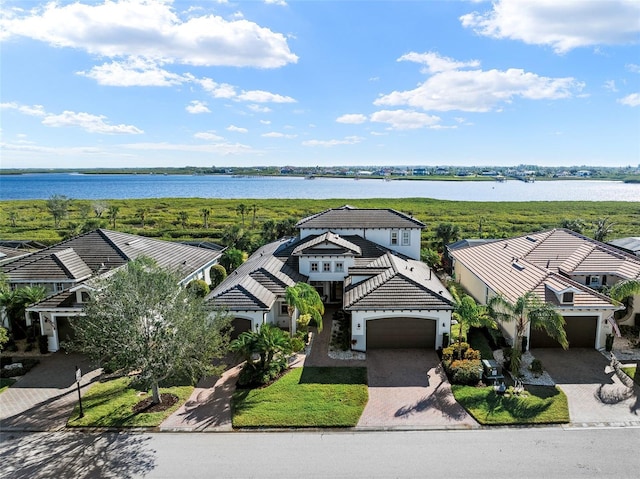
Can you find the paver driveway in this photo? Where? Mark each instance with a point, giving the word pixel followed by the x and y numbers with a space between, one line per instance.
pixel 44 398
pixel 408 389
pixel 595 394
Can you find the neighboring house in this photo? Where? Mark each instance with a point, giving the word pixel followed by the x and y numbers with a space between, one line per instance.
pixel 561 267
pixel 10 250
pixel 67 270
pixel 629 245
pixel 365 261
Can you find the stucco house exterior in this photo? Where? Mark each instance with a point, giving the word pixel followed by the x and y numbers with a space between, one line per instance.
pixel 364 261
pixel 561 267
pixel 67 270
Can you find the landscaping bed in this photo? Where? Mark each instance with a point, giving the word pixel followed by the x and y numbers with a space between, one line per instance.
pixel 18 366
pixel 305 397
pixel 118 403
pixel 537 405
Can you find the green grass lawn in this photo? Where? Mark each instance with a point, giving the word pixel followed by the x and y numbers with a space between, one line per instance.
pixel 6 383
pixel 632 372
pixel 305 397
pixel 109 404
pixel 543 405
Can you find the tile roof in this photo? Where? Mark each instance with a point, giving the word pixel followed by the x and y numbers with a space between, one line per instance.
pixel 102 250
pixel 342 245
pixel 515 266
pixel 631 244
pixel 256 284
pixel 350 217
pixel 396 283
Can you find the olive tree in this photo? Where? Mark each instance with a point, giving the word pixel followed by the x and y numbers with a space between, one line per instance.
pixel 140 320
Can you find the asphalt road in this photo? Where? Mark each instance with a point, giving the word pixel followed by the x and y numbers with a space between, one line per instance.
pixel 495 453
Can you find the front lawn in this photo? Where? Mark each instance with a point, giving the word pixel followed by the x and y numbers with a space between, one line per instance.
pixel 6 383
pixel 542 405
pixel 305 397
pixel 632 372
pixel 110 404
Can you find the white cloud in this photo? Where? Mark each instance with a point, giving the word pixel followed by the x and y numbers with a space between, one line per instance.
pixel 562 24
pixel 478 90
pixel 349 140
pixel 260 96
pixel 630 100
pixel 404 119
pixel 259 108
pixel 436 63
pixel 610 85
pixel 86 121
pixel 208 136
pixel 265 122
pixel 151 30
pixel 281 3
pixel 632 67
pixel 89 122
pixel 133 72
pixel 196 107
pixel 237 129
pixel 216 90
pixel 276 134
pixel 352 118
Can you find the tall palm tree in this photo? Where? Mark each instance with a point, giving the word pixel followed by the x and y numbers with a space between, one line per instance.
pixel 142 214
pixel 205 217
pixel 113 215
pixel 241 209
pixel 469 314
pixel 304 298
pixel 528 312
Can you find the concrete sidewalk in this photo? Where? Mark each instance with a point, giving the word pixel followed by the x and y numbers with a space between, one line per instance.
pixel 44 398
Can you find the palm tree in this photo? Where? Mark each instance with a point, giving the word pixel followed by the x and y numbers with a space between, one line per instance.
pixel 603 227
pixel 304 298
pixel 113 215
pixel 142 214
pixel 528 312
pixel 183 216
pixel 241 209
pixel 447 232
pixel 624 289
pixel 205 217
pixel 469 314
pixel 254 208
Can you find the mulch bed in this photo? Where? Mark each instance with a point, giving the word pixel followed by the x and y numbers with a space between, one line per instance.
pixel 146 405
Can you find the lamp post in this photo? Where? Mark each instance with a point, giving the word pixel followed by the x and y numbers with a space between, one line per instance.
pixel 78 378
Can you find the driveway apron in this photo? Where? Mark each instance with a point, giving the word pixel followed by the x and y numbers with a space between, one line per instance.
pixel 408 389
pixel 44 398
pixel 595 394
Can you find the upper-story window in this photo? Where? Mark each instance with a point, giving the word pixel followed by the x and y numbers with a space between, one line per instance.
pixel 57 287
pixel 567 297
pixel 326 267
pixel 314 267
pixel 406 237
pixel 84 296
pixel 339 266
pixel 394 238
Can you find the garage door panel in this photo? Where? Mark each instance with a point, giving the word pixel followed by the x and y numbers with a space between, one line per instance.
pixel 581 333
pixel 400 333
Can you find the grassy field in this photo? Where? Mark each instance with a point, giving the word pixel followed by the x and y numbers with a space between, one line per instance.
pixel 110 403
pixel 30 220
pixel 541 405
pixel 305 397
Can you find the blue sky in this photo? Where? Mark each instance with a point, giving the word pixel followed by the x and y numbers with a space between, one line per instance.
pixel 137 83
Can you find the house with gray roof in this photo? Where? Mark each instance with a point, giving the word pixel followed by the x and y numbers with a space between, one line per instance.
pixel 67 269
pixel 561 267
pixel 364 261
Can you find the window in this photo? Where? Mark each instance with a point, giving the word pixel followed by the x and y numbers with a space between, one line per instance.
pixel 394 238
pixel 314 267
pixel 339 267
pixel 567 297
pixel 326 267
pixel 57 287
pixel 594 280
pixel 284 309
pixel 406 238
pixel 84 295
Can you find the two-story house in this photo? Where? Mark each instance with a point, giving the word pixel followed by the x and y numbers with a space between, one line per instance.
pixel 365 261
pixel 67 269
pixel 561 267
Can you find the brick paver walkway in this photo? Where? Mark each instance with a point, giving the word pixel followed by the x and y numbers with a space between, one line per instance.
pixel 44 398
pixel 595 394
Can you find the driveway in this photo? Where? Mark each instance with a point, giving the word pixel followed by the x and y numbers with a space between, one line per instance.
pixel 596 396
pixel 408 389
pixel 44 398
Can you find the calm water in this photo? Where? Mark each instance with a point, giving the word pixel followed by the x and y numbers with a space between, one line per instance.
pixel 42 186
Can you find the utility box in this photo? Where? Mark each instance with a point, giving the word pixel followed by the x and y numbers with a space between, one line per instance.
pixel 491 371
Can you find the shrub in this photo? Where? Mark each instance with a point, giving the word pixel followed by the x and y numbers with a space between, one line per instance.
pixel 465 371
pixel 297 344
pixel 472 354
pixel 218 274
pixel 455 351
pixel 198 287
pixel 536 366
pixel 27 365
